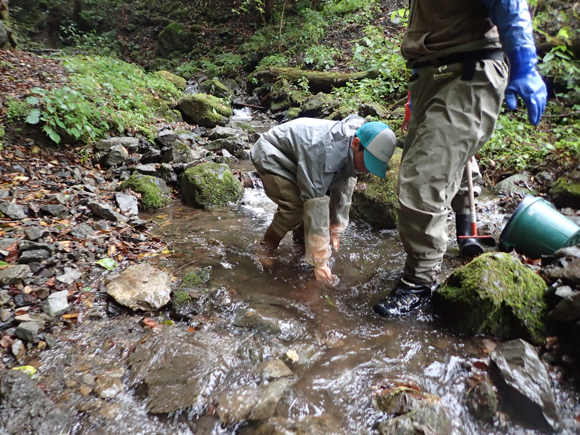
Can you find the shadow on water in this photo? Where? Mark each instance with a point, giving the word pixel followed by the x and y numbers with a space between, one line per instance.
pixel 344 349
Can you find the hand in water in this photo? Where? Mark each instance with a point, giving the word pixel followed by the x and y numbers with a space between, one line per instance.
pixel 325 276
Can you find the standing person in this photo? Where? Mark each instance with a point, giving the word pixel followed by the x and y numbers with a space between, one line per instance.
pixel 468 247
pixel 458 83
pixel 308 168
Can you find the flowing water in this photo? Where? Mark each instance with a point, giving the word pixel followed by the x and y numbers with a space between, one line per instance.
pixel 342 350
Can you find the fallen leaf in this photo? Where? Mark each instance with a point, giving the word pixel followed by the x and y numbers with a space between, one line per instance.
pixel 292 355
pixel 70 316
pixel 149 322
pixel 12 252
pixel 107 263
pixel 6 342
pixel 50 282
pixel 111 251
pixel 191 329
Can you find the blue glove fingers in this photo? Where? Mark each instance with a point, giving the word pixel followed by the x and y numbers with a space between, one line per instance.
pixel 511 99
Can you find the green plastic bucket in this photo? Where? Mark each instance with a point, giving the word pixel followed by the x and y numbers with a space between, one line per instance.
pixel 537 229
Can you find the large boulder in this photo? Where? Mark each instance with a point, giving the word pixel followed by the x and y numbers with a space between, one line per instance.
pixel 141 287
pixel 566 191
pixel 205 110
pixel 210 185
pixel 171 39
pixel 375 200
pixel 494 295
pixel 284 96
pixel 26 409
pixel 515 185
pixel 217 89
pixel 154 192
pixel 319 106
pixel 179 82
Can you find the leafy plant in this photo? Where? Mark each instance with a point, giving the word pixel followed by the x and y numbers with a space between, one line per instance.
pixel 275 60
pixel 321 57
pixel 400 16
pixel 17 109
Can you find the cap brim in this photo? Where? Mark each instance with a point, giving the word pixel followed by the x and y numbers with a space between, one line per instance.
pixel 375 166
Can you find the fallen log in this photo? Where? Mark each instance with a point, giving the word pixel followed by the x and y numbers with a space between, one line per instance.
pixel 317 81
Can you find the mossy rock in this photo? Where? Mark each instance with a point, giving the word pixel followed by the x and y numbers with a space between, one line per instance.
pixel 154 192
pixel 375 199
pixel 566 191
pixel 319 106
pixel 293 113
pixel 191 295
pixel 217 89
pixel 375 110
pixel 179 82
pixel 159 64
pixel 172 39
pixel 205 110
pixel 494 295
pixel 211 185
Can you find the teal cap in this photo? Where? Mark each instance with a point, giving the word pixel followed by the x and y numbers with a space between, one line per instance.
pixel 379 143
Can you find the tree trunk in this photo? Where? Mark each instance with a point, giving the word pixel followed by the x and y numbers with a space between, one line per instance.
pixel 317 81
pixel 77 9
pixel 268 10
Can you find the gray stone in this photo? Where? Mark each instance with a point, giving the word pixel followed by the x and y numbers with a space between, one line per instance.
pixel 210 185
pixel 166 138
pixel 34 233
pixel 482 400
pixel 568 309
pixel 35 255
pixel 525 384
pixel 18 349
pixel 131 144
pixel 12 210
pixel 273 369
pixel 222 133
pixel 105 211
pixel 141 287
pixel 516 184
pixel 7 242
pixel 399 401
pixel 39 318
pixel 236 406
pixel 108 386
pixel 26 409
pixel 14 274
pixel 127 203
pixel 56 304
pixel 4 297
pixel 28 331
pixel 56 210
pixel 116 156
pixel 61 198
pixel 82 231
pixel 233 145
pixel 6 314
pixel 148 169
pixel 181 153
pixel 4 194
pixel 28 245
pixel 70 276
pixel 431 419
pixel 564 269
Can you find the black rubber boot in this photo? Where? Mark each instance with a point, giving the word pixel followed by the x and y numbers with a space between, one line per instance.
pixel 299 237
pixel 405 297
pixel 467 247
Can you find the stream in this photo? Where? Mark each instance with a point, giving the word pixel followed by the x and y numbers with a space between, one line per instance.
pixel 338 351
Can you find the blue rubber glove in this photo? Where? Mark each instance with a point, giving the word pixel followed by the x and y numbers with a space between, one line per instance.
pixel 527 83
pixel 514 23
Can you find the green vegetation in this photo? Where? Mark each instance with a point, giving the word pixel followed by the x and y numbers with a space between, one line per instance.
pixel 104 95
pixel 494 295
pixel 153 195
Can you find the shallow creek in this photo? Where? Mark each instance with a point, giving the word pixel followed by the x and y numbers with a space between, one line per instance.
pixel 341 350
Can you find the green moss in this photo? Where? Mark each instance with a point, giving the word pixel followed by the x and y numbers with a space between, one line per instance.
pixel 566 190
pixel 375 199
pixel 180 298
pixel 179 82
pixel 246 127
pixel 205 110
pixel 211 184
pixel 196 279
pixel 2 132
pixel 494 295
pixel 16 109
pixel 152 195
pixel 293 113
pixel 218 89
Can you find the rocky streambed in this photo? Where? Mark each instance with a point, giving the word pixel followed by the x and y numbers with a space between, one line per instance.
pixel 126 310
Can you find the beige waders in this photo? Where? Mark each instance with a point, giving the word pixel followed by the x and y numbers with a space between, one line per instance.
pixel 452 119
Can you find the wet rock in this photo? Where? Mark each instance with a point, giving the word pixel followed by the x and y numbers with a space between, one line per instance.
pixel 431 419
pixel 525 387
pixel 210 184
pixel 56 304
pixel 28 331
pixel 205 110
pixel 18 350
pixel 107 386
pixel 375 200
pixel 105 211
pixel 154 192
pixel 12 210
pixel 309 425
pixel 564 268
pixel 166 138
pixel 401 400
pixel 482 400
pixel 233 145
pixel 515 185
pixel 82 231
pixel 116 156
pixel 568 309
pixel 222 133
pixel 495 295
pixel 191 295
pixel 141 287
pixel 128 204
pixel 25 408
pixel 273 369
pixel 14 274
pixel 131 144
pixel 236 406
pixel 35 255
pixel 34 233
pixel 56 210
pixel 268 399
pixel 70 276
pixel 566 190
